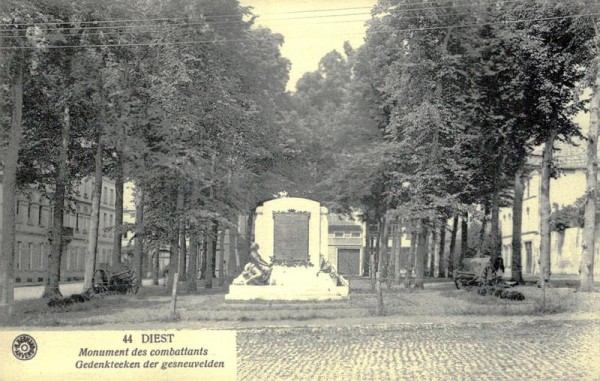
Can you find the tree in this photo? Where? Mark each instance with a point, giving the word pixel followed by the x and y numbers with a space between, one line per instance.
pixel 589 234
pixel 517 219
pixel 9 184
pixel 555 68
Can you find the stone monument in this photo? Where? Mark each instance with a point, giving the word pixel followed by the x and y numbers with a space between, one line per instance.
pixel 291 237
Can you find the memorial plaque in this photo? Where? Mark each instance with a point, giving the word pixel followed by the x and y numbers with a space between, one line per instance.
pixel 291 236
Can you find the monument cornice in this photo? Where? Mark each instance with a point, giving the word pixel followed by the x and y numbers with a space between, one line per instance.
pixel 291 211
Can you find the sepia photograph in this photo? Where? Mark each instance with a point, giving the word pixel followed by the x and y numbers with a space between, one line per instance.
pixel 262 190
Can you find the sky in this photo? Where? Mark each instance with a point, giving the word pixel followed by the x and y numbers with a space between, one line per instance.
pixel 312 28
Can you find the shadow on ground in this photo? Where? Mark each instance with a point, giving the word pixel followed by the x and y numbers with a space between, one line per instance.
pixel 438 298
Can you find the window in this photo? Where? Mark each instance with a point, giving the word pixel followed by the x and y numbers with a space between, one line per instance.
pixel 19 256
pixel 69 252
pixel 82 258
pixel 338 234
pixel 66 219
pixel 104 224
pixel 110 220
pixel 41 215
pixel 527 211
pixel 29 213
pixel 104 195
pixel 42 254
pixel 112 197
pixel 355 234
pixel 21 212
pixel 86 219
pixel 30 264
pixel 528 187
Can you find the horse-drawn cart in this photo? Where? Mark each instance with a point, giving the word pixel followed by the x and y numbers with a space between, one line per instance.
pixel 478 272
pixel 115 280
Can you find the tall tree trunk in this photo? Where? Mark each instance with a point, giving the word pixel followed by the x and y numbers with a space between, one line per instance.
pixel 192 271
pixel 51 288
pixel 222 257
pixel 452 251
pixel 366 263
pixel 464 239
pixel 173 262
pixel 203 254
pixel 232 264
pixel 138 248
pixel 9 199
pixel 545 208
pixel 391 265
pixel 183 253
pixel 118 229
pixel 421 255
pixel 586 268
pixel 398 252
pixel 410 261
pixel 156 259
pixel 119 176
pixel 382 263
pixel 181 231
pixel 440 263
pixel 496 239
pixel 193 263
pixel 482 231
pixel 433 235
pixel 516 274
pixel 92 252
pixel 374 260
pixel 211 248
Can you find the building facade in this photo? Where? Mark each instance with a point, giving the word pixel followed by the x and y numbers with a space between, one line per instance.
pixel 34 223
pixel 564 190
pixel 346 248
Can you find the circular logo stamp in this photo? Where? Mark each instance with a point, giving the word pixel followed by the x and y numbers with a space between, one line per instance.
pixel 24 347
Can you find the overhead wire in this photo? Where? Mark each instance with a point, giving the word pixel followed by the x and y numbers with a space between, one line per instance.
pixel 215 40
pixel 183 18
pixel 205 17
pixel 161 28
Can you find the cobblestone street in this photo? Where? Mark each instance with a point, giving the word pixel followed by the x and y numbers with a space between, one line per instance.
pixel 541 350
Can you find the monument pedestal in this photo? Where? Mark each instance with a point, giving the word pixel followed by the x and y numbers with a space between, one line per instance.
pixel 293 283
pixel 293 232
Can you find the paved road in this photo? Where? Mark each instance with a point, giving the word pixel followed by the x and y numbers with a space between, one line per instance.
pixel 544 350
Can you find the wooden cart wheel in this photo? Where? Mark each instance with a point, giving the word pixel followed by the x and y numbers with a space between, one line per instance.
pixel 457 283
pixel 133 289
pixel 100 281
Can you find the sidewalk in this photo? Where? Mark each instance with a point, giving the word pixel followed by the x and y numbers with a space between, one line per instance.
pixel 35 292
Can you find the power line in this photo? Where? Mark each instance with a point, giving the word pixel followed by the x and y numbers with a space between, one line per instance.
pixel 185 18
pixel 483 4
pixel 271 38
pixel 491 2
pixel 116 29
pixel 205 22
pixel 190 24
pixel 150 32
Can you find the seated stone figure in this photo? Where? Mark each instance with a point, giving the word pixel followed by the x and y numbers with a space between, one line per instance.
pixel 257 271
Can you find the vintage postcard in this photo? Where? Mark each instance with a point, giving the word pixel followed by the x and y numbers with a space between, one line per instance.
pixel 299 190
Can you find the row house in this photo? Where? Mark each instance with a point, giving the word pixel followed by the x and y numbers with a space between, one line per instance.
pixel 34 223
